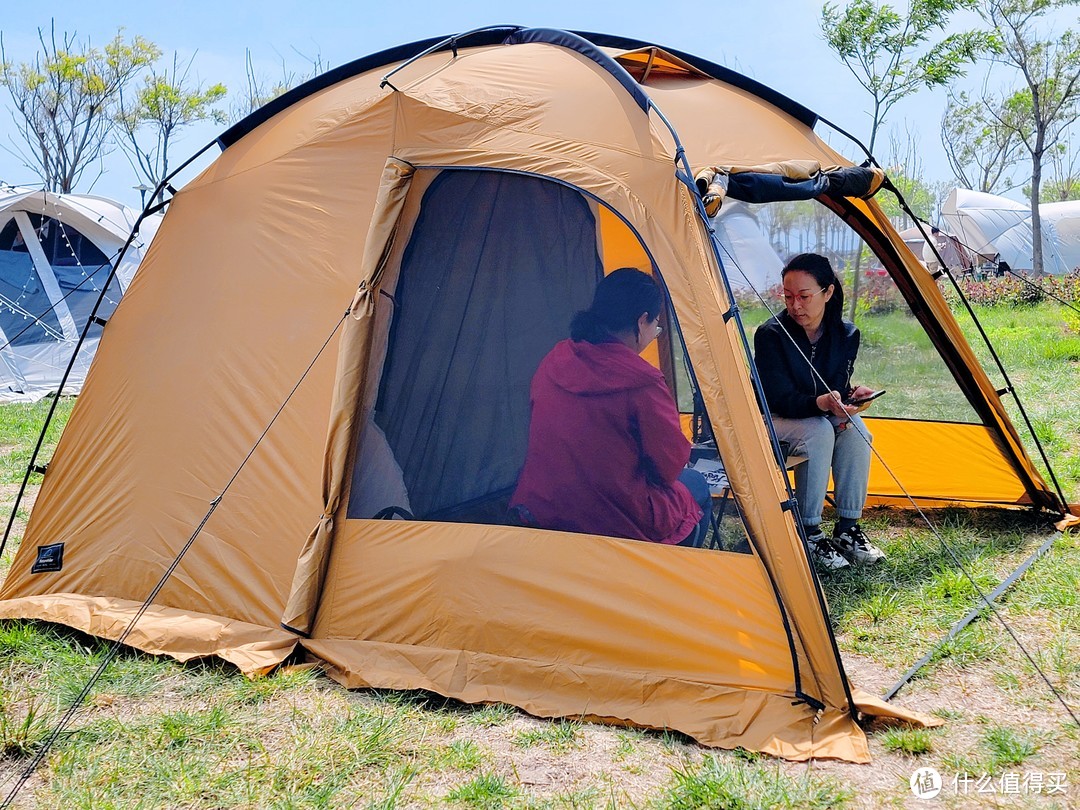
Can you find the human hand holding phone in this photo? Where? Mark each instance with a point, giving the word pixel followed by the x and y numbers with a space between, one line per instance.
pixel 861 398
pixel 833 403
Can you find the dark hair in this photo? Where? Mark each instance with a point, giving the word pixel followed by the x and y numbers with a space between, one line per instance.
pixel 620 299
pixel 822 270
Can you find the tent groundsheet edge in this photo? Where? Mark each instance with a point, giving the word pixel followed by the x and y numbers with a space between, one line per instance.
pixel 181 634
pixel 715 716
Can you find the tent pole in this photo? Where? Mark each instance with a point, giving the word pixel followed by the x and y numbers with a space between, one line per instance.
pixel 451 41
pixel 988 600
pixel 148 209
pixel 686 176
pixel 1009 387
pixel 978 324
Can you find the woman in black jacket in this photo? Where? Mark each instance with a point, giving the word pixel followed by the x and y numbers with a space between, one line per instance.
pixel 805 356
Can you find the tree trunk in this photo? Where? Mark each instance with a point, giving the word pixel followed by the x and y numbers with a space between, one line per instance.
pixel 855 282
pixel 1036 218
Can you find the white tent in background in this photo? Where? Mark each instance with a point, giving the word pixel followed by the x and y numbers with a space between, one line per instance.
pixel 991 225
pixel 748 257
pixel 56 252
pixel 1065 221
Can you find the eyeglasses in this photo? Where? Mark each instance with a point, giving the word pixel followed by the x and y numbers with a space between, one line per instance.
pixel 803 298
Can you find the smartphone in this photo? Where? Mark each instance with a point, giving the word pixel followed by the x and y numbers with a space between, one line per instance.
pixel 870 398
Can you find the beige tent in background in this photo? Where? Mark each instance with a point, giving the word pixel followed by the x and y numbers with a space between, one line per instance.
pixel 359 288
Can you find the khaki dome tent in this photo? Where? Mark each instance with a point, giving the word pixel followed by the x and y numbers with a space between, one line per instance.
pixel 460 209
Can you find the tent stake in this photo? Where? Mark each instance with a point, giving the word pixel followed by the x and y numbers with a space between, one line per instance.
pixel 971 616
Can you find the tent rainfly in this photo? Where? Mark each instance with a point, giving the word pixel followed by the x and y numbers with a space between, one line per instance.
pixel 461 200
pixel 56 253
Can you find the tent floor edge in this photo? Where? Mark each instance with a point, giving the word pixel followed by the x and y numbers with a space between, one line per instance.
pixel 714 715
pixel 181 634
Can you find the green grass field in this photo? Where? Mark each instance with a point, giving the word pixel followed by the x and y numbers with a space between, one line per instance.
pixel 156 733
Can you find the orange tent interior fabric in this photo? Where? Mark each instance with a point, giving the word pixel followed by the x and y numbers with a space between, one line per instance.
pixel 317 206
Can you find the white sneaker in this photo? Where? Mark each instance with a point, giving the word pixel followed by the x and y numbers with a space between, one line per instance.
pixel 822 551
pixel 854 544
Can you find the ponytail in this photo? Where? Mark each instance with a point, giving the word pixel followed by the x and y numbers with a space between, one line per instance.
pixel 619 301
pixel 586 326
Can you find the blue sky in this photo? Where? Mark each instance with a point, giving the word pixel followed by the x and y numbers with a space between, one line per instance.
pixel 777 42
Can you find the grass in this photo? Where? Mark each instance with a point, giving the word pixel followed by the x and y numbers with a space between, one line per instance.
pixel 735 785
pixel 487 792
pixel 20 428
pixel 1008 747
pixel 559 736
pixel 157 733
pixel 911 741
pixel 1036 346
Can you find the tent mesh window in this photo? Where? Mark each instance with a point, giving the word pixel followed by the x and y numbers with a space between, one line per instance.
pixel 81 270
pixel 496 267
pixel 22 296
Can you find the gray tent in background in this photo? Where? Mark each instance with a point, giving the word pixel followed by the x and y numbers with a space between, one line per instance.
pixel 997 226
pixel 749 258
pixel 56 253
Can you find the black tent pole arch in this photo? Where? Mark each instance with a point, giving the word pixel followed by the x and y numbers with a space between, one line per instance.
pixel 986 601
pixel 686 177
pixel 1009 387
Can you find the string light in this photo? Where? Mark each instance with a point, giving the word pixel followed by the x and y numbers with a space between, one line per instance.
pixel 53 239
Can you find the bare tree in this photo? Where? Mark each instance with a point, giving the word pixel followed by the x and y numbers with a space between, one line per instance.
pixel 906 172
pixel 981 152
pixel 64 98
pixel 261 89
pixel 1045 107
pixel 167 102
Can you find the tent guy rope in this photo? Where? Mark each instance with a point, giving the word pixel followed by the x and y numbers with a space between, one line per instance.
pixel 986 600
pixel 115 647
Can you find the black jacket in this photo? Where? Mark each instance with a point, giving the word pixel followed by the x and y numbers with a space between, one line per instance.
pixel 791 388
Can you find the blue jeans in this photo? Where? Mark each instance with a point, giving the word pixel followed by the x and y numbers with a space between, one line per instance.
pixel 834 445
pixel 699 488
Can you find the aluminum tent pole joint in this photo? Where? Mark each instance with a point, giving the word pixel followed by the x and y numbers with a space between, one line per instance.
pixel 451 42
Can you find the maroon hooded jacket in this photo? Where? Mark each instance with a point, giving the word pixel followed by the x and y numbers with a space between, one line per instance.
pixel 605 447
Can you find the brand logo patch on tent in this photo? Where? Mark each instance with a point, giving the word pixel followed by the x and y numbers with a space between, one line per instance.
pixel 49 558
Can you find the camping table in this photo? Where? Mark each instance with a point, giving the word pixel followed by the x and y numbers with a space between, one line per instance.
pixel 722 494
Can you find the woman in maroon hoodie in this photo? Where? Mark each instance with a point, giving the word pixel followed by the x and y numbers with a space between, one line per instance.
pixel 606 454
